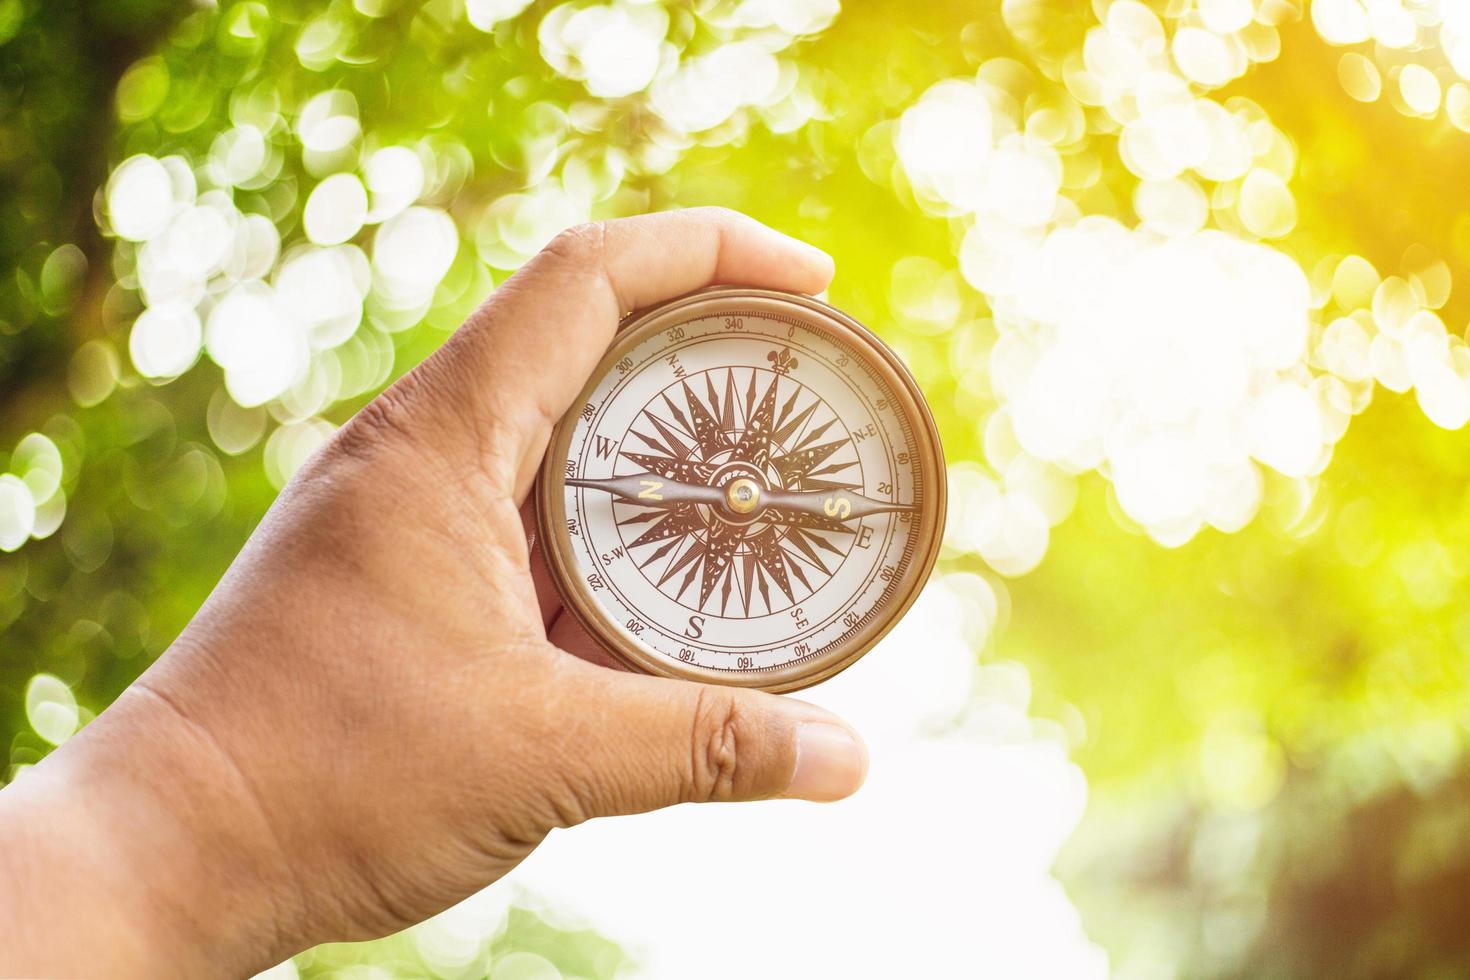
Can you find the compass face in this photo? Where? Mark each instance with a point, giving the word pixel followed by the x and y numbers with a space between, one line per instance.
pixel 749 491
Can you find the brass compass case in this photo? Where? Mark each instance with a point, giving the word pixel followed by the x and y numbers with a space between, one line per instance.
pixel 749 491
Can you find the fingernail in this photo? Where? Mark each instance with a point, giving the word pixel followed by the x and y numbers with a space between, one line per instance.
pixel 831 763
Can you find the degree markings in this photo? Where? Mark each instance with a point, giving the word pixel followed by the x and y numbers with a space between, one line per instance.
pixel 805 341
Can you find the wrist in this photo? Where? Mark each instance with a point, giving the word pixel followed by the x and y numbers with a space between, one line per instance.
pixel 139 855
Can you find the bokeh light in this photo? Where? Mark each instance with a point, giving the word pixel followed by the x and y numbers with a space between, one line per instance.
pixel 1171 274
pixel 51 708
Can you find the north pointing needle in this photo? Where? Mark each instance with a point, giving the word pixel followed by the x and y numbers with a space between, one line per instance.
pixel 654 490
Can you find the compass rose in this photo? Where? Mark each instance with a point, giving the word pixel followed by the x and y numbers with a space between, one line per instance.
pixel 767 433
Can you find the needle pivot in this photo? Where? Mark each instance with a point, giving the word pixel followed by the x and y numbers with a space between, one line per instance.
pixel 743 495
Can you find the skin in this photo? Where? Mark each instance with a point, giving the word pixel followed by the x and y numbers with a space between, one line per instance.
pixel 381 709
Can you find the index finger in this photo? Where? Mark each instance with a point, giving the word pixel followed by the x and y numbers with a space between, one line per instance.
pixel 529 349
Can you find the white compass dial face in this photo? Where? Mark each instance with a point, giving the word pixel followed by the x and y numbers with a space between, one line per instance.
pixel 742 492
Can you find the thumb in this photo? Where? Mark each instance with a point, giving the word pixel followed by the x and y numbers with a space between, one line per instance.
pixel 655 742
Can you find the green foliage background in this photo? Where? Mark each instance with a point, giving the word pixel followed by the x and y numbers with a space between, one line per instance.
pixel 1326 644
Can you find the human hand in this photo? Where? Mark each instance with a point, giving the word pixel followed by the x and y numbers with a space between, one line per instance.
pixel 380 710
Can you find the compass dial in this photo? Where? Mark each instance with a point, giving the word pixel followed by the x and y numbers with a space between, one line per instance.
pixel 749 491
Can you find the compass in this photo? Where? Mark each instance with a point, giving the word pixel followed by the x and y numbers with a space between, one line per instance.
pixel 749 491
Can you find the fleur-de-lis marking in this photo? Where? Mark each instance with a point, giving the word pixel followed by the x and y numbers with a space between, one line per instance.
pixel 782 362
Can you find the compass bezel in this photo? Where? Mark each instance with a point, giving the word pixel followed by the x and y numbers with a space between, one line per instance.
pixel 556 546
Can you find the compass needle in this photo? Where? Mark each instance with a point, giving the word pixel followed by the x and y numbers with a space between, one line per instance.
pixel 838 503
pixel 750 491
